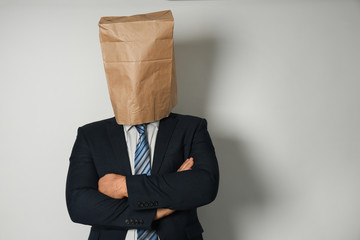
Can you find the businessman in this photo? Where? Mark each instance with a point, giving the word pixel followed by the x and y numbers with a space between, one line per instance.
pixel 140 176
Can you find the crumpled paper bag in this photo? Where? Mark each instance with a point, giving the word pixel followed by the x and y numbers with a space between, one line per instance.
pixel 139 63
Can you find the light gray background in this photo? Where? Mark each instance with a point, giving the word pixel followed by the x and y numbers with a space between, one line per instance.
pixel 277 80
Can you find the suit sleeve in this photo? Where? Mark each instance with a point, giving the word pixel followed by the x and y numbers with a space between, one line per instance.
pixel 86 205
pixel 180 190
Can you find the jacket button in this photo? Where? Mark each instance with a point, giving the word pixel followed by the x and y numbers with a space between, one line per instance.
pixel 141 221
pixel 131 221
pixel 136 221
pixel 151 204
pixel 140 204
pixel 127 221
pixel 146 204
pixel 156 203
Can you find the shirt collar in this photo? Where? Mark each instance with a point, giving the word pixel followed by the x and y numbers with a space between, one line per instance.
pixel 154 124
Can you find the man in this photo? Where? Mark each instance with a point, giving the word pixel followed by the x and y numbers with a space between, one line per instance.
pixel 141 175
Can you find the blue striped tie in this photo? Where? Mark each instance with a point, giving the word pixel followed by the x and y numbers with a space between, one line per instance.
pixel 142 166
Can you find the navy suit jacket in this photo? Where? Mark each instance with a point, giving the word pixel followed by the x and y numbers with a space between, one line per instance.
pixel 100 148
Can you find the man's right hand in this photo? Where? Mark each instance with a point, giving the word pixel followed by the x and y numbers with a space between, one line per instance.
pixel 163 212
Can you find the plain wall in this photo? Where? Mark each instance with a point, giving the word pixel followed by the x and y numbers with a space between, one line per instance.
pixel 277 80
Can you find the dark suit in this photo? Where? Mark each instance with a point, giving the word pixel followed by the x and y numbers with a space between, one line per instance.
pixel 100 148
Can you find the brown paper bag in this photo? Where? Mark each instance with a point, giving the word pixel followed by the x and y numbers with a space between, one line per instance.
pixel 139 62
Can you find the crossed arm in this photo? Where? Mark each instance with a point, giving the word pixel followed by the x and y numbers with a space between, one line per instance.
pixel 179 190
pixel 114 186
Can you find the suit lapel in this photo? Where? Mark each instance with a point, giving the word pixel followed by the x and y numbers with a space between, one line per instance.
pixel 166 128
pixel 118 143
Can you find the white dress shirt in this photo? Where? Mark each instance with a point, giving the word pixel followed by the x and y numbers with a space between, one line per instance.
pixel 132 138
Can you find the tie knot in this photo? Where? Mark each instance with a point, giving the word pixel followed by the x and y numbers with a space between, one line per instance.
pixel 140 128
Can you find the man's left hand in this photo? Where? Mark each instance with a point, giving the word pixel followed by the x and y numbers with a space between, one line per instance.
pixel 113 185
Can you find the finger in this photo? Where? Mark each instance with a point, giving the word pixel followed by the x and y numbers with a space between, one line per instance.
pixel 184 164
pixel 182 168
pixel 188 166
pixel 188 163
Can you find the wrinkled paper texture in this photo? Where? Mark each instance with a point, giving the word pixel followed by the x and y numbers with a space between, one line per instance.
pixel 139 63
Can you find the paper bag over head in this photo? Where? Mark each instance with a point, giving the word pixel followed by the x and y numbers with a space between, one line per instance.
pixel 139 62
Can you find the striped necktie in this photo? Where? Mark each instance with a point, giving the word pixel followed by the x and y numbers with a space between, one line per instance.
pixel 142 166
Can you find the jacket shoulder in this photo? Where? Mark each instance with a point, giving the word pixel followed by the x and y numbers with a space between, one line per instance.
pixel 186 117
pixel 96 125
pixel 189 120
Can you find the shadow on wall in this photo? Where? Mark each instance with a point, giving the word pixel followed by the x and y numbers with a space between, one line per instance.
pixel 239 190
pixel 194 71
